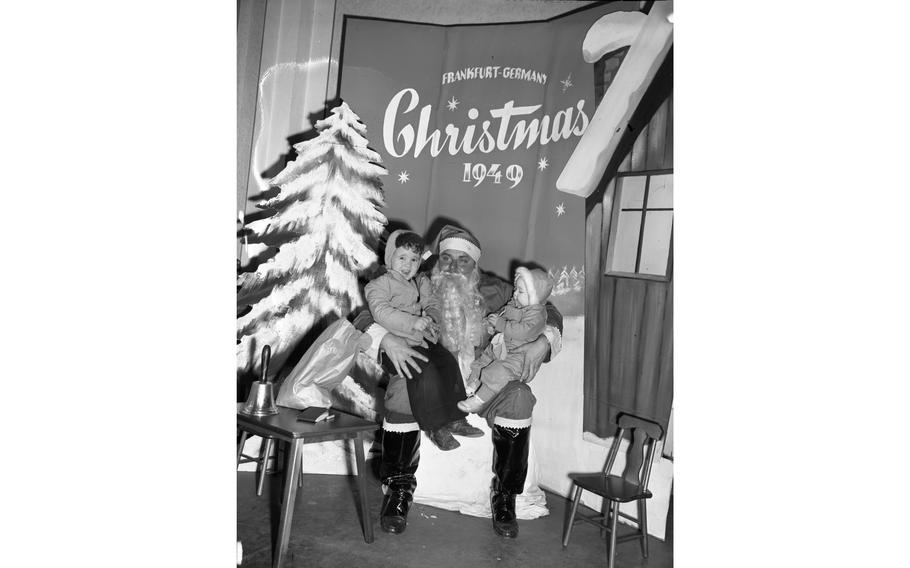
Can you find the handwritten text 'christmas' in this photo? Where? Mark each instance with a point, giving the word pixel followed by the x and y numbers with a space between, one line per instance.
pixel 400 141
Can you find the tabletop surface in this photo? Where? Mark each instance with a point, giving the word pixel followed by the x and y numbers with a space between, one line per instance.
pixel 285 423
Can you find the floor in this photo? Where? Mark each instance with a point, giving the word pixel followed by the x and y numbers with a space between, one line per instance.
pixel 326 533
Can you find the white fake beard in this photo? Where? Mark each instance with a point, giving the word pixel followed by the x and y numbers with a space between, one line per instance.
pixel 462 311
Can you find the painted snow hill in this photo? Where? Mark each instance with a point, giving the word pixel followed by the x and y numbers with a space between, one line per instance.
pixel 569 291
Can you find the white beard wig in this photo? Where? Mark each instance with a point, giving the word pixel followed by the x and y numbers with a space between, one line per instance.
pixel 462 312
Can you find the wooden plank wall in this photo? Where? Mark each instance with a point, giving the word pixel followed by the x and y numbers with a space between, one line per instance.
pixel 629 321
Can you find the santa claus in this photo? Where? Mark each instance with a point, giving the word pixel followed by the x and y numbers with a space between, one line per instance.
pixel 465 295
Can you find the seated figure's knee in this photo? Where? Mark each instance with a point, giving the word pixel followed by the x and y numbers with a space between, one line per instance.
pixel 516 401
pixel 396 396
pixel 524 398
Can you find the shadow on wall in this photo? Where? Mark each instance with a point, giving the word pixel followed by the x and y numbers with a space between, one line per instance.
pixel 291 155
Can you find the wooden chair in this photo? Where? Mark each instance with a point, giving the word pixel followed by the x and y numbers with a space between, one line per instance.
pixel 632 485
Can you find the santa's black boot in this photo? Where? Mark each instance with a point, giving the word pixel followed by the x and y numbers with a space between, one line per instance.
pixel 510 468
pixel 400 455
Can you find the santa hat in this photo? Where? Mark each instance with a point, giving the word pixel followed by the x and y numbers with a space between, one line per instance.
pixel 538 283
pixel 391 245
pixel 456 238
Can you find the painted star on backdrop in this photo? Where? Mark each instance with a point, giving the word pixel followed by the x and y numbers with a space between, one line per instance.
pixel 403 177
pixel 453 103
pixel 542 164
pixel 560 209
pixel 566 83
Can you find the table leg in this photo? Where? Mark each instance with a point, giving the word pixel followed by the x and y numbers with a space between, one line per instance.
pixel 243 435
pixel 362 484
pixel 264 450
pixel 289 495
pixel 300 476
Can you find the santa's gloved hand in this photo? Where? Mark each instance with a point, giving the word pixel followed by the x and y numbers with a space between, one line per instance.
pixel 401 354
pixel 535 352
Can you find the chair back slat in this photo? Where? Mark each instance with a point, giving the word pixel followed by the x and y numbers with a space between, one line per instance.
pixel 646 476
pixel 635 457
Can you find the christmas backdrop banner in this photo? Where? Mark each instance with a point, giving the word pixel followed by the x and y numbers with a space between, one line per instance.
pixel 474 123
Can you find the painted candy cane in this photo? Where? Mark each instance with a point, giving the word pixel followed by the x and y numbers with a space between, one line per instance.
pixel 650 38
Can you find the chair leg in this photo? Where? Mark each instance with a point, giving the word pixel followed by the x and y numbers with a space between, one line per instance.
pixel 568 531
pixel 611 550
pixel 300 476
pixel 243 435
pixel 643 525
pixel 264 462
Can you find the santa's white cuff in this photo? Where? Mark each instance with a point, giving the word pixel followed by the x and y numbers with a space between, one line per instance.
pixel 512 422
pixel 555 339
pixel 399 428
pixel 376 332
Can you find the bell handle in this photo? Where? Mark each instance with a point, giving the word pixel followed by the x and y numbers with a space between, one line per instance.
pixel 266 355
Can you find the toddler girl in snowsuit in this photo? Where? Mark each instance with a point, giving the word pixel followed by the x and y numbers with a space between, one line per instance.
pixel 522 320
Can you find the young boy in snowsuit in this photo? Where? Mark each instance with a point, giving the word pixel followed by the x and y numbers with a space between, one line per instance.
pixel 398 301
pixel 403 304
pixel 521 320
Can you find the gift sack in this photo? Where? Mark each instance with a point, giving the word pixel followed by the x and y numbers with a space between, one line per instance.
pixel 322 368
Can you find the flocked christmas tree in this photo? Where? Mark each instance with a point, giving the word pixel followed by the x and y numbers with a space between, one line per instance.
pixel 328 221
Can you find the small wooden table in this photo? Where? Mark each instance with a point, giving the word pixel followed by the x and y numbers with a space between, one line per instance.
pixel 285 426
